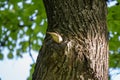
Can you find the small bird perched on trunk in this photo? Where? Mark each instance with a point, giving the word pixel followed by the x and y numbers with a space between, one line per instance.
pixel 56 37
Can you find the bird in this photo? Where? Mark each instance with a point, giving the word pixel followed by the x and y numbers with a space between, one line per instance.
pixel 56 37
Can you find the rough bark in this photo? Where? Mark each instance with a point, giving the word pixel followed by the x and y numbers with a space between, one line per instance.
pixel 83 53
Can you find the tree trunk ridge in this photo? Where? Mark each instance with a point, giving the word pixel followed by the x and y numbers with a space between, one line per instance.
pixel 83 54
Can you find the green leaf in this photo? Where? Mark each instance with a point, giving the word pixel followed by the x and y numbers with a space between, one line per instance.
pixel 25 45
pixel 114 43
pixel 31 72
pixel 113 18
pixel 18 53
pixel 1 56
pixel 10 56
pixel 114 60
pixel 118 1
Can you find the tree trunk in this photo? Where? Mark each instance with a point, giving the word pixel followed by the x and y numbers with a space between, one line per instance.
pixel 83 53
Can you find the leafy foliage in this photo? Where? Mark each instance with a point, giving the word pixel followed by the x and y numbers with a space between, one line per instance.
pixel 22 26
pixel 113 21
pixel 31 72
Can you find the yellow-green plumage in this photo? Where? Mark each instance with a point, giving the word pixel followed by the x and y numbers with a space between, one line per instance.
pixel 56 37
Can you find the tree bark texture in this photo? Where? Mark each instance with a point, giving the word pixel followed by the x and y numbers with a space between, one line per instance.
pixel 83 53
